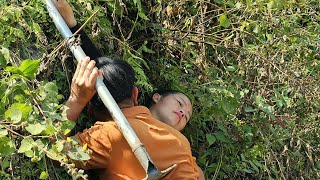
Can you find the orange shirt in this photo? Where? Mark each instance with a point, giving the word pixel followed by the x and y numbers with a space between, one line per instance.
pixel 113 156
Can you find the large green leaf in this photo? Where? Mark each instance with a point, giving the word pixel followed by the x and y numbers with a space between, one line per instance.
pixel 29 68
pixel 26 145
pixel 18 112
pixel 36 128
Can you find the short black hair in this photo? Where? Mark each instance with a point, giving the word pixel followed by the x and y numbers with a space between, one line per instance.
pixel 149 101
pixel 119 78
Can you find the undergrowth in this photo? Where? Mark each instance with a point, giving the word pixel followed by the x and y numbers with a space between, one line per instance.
pixel 250 67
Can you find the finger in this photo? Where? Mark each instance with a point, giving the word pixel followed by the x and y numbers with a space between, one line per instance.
pixel 83 66
pixel 89 69
pixel 77 71
pixel 93 77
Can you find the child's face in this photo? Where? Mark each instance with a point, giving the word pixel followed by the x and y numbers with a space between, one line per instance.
pixel 174 109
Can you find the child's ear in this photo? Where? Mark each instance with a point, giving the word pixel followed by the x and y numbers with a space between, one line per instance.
pixel 156 97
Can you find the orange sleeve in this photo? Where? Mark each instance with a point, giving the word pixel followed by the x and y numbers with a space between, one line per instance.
pixel 99 142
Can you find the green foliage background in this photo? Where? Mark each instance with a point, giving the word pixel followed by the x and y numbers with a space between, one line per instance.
pixel 251 68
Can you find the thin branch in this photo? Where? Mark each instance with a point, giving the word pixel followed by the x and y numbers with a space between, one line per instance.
pixel 13 132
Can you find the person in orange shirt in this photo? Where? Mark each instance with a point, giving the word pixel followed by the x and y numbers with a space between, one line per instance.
pixel 112 156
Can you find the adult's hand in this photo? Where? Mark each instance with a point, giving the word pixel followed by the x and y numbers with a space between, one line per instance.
pixel 82 87
pixel 66 12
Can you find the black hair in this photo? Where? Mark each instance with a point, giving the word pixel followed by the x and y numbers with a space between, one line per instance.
pixel 149 101
pixel 119 78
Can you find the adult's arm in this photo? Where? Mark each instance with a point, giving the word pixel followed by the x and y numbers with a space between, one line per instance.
pixel 83 81
pixel 82 87
pixel 88 47
pixel 66 12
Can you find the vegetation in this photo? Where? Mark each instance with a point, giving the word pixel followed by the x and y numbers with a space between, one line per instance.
pixel 251 68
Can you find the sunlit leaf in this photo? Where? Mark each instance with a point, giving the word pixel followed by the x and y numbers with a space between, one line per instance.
pixel 67 126
pixel 29 68
pixel 26 145
pixel 35 129
pixel 224 21
pixel 43 175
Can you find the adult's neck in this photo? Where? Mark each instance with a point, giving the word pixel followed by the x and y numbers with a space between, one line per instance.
pixel 125 104
pixel 104 114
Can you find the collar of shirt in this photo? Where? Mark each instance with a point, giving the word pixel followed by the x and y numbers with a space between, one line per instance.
pixel 134 111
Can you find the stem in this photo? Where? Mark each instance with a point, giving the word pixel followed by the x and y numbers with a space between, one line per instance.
pixel 15 133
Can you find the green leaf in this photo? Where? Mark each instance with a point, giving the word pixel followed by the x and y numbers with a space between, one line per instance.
pixel 51 90
pixel 3 61
pixel 147 50
pixel 256 29
pixel 210 139
pixel 220 2
pixel 59 146
pixel 29 153
pixel 5 163
pixel 18 112
pixel 249 109
pixel 238 5
pixel 230 69
pixel 29 68
pixel 230 105
pixel 78 154
pixel 26 145
pixel 13 69
pixel 3 131
pixel 39 144
pixel 50 130
pixel 222 128
pixel 143 16
pixel 6 146
pixel 67 126
pixel 221 137
pixel 53 154
pixel 16 115
pixel 36 128
pixel 224 21
pixel 43 175
pixel 6 54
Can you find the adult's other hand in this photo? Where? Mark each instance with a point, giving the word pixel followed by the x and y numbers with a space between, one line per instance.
pixel 65 11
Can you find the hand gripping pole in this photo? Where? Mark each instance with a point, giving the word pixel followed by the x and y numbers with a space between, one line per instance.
pixel 152 173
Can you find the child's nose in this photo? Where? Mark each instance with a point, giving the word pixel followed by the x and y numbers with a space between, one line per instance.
pixel 182 113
